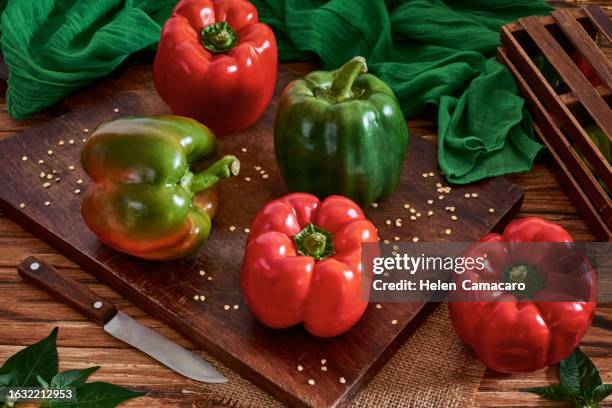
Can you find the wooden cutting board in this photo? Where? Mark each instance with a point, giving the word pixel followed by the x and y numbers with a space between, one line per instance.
pixel 167 290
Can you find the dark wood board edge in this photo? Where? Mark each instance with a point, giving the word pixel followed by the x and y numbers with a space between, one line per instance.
pixel 601 20
pixel 599 227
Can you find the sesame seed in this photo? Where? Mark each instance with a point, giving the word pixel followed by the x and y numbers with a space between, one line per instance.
pixel 232 228
pixel 311 382
pixel 431 174
pixel 415 239
pixel 24 158
pixel 202 272
pixel 42 174
pixel 398 222
pixel 58 179
pixel 22 205
pixel 430 201
pixel 265 176
pixel 491 210
pixel 440 197
pixel 243 150
pixel 84 140
pixel 386 242
pixel 396 238
pixel 80 181
pixel 247 179
pixel 395 247
pixel 454 217
pixel 257 168
pixel 448 231
pixel 418 214
pixel 71 141
pixel 467 195
pixel 438 185
pixel 323 361
pixel 116 110
pixel 342 380
pixel 49 152
pixel 226 307
pixel 210 278
pixel 236 307
pixel 77 191
pixel 300 368
pixel 61 143
pixel 378 306
pixel 474 195
pixel 412 211
pixel 47 184
pixel 86 130
pixel 70 167
pixel 393 321
pixel 262 172
pixel 41 161
pixel 406 206
pixel 424 175
pixel 202 298
pixel 247 230
pixel 49 176
pixel 323 368
pixel 429 213
pixel 388 222
pixel 374 205
pixel 412 218
pixel 196 297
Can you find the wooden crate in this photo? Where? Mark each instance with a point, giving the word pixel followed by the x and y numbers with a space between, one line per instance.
pixel 538 49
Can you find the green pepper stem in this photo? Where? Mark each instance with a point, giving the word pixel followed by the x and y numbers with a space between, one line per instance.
pixel 314 241
pixel 219 38
pixel 226 167
pixel 527 274
pixel 342 85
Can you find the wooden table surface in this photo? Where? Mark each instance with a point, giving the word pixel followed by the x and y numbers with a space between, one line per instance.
pixel 27 314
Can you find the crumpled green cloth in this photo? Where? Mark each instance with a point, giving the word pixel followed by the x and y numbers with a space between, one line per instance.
pixel 438 56
pixel 53 47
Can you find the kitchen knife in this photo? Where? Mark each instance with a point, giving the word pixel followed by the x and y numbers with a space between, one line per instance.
pixel 117 323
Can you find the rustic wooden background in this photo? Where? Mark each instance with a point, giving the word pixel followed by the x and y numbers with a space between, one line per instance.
pixel 28 314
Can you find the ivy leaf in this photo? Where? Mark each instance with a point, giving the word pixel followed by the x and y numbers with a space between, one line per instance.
pixel 552 392
pixel 601 392
pixel 72 378
pixel 99 395
pixel 42 382
pixel 6 379
pixel 38 359
pixel 578 373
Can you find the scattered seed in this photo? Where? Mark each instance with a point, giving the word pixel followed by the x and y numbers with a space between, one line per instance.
pixel 396 238
pixel 210 278
pixel 467 195
pixel 424 175
pixel 202 272
pixel 386 242
pixel 50 152
pixel 58 179
pixel 323 361
pixel 46 185
pixel 438 184
pixel 342 380
pixel 491 210
pixel 418 214
pixel 116 110
pixel 247 230
pixel 413 218
pixel 196 297
pixel 406 206
pixel 474 195
pixel 77 191
pixel 236 307
pixel 454 217
pixel 323 368
pixel 257 168
pixel 22 205
pixel 393 321
pixel 232 228
pixel 247 179
pixel 374 205
pixel 429 213
pixel 388 222
pixel 71 141
pixel 226 307
pixel 202 298
pixel 300 368
pixel 262 172
pixel 430 201
pixel 86 130
pixel 41 161
pixel 395 247
pixel 243 150
pixel 440 197
pixel 61 143
pixel 398 222
pixel 84 140
pixel 24 158
pixel 311 382
pixel 378 306
pixel 412 211
pixel 79 181
pixel 415 239
pixel 448 231
pixel 42 174
pixel 70 167
pixel 265 176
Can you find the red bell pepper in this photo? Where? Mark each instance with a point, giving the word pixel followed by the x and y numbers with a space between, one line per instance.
pixel 216 63
pixel 510 334
pixel 303 263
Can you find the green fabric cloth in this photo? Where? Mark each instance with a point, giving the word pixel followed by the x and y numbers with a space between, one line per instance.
pixel 53 47
pixel 438 56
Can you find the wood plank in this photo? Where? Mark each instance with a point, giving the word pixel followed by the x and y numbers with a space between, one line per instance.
pixel 601 20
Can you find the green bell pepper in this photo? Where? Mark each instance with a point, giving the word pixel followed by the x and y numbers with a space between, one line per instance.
pixel 341 132
pixel 143 199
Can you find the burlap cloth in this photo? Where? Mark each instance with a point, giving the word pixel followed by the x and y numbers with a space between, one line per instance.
pixel 433 369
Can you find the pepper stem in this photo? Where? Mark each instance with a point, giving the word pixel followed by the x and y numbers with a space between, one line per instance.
pixel 315 242
pixel 342 85
pixel 527 274
pixel 219 38
pixel 226 167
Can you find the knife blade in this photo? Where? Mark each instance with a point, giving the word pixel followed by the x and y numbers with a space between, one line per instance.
pixel 117 323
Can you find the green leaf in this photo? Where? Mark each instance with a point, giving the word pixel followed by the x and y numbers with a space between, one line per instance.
pixel 72 378
pixel 42 382
pixel 601 392
pixel 99 395
pixel 579 374
pixel 6 379
pixel 552 392
pixel 38 359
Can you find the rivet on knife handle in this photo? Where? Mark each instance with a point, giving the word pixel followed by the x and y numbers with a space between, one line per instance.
pixel 67 290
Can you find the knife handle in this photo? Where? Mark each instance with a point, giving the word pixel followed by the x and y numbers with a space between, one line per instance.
pixel 67 290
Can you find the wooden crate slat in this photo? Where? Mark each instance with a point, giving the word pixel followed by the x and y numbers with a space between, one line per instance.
pixel 596 222
pixel 585 45
pixel 555 106
pixel 564 65
pixel 570 99
pixel 601 21
pixel 578 13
